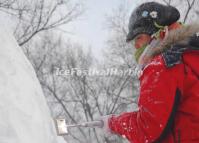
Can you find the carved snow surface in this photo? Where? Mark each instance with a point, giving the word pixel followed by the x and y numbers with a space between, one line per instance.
pixel 24 115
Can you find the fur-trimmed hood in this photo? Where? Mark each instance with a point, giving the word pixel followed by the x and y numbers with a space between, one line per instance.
pixel 179 39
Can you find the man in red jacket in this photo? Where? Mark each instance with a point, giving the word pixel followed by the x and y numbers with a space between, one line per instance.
pixel 169 85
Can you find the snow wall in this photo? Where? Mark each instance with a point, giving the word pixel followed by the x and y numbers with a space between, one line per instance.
pixel 24 114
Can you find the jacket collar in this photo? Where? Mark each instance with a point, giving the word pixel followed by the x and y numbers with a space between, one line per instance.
pixel 171 46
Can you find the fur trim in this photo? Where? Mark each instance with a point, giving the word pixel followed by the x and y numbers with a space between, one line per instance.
pixel 177 36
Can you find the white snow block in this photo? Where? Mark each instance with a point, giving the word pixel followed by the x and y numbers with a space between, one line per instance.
pixel 24 114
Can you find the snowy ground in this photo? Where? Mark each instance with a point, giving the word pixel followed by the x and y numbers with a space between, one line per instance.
pixel 24 115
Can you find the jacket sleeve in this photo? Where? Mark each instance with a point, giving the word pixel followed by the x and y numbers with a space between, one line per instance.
pixel 158 86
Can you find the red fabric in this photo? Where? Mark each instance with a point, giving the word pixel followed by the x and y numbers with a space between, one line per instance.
pixel 157 93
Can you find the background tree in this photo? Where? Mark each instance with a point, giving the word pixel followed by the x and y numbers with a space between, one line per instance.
pixel 30 18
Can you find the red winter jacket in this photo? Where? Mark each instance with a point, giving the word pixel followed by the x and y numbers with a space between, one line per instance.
pixel 168 102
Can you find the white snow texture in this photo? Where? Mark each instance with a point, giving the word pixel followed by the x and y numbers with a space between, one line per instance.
pixel 24 115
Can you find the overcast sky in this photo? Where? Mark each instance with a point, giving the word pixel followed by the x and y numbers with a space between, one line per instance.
pixel 90 29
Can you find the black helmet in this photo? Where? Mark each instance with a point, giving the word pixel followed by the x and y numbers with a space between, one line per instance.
pixel 145 16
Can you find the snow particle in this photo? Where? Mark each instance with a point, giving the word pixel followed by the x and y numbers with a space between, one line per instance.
pixel 197 34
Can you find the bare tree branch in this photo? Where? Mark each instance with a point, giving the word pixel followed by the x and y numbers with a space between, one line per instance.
pixel 190 6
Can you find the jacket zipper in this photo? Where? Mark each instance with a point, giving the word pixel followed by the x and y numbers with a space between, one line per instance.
pixel 178 137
